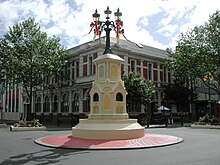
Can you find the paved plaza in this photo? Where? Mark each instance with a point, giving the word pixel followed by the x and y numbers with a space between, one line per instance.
pixel 200 147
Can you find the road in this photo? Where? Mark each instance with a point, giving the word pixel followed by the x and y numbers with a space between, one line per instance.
pixel 200 147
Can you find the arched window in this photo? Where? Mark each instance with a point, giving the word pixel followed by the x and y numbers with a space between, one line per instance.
pixel 38 105
pixel 65 104
pixel 55 104
pixel 95 97
pixel 46 104
pixel 119 97
pixel 75 103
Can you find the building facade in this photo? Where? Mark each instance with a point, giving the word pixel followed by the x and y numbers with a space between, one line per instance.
pixel 69 95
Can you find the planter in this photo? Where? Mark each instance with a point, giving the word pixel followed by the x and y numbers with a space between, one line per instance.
pixel 205 126
pixel 13 128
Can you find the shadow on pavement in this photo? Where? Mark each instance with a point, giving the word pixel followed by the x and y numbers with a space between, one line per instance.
pixel 43 157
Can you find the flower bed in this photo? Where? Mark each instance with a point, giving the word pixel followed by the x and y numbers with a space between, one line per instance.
pixel 205 126
pixel 207 122
pixel 22 125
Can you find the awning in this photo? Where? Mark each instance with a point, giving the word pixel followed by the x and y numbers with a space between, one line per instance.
pixel 163 108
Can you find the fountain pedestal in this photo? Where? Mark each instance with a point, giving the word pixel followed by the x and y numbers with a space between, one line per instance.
pixel 108 118
pixel 108 129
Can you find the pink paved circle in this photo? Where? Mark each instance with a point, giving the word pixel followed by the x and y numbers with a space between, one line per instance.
pixel 147 141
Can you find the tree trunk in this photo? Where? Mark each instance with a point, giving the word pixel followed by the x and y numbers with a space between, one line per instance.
pixel 29 107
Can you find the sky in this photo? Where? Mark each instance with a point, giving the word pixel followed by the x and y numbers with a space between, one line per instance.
pixel 156 23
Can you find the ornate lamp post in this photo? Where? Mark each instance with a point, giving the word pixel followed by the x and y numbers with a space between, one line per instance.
pixel 107 26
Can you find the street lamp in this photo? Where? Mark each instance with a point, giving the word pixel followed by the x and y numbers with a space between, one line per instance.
pixel 96 16
pixel 107 26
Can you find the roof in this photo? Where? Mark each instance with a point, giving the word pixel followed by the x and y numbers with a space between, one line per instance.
pixel 109 57
pixel 141 49
pixel 125 45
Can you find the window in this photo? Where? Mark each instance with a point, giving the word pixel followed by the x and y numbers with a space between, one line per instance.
pixel 65 104
pixel 169 77
pixel 132 65
pixel 46 104
pixel 90 65
pixel 95 97
pixel 55 104
pixel 145 73
pixel 38 105
pixel 73 70
pixel 155 75
pixel 150 71
pixel 85 70
pixel 145 63
pixel 77 68
pixel 138 62
pixel 119 97
pixel 73 75
pixel 68 74
pixel 84 59
pixel 75 103
pixel 95 55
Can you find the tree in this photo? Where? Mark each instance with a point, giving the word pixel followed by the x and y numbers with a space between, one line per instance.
pixel 29 56
pixel 139 89
pixel 198 55
pixel 179 93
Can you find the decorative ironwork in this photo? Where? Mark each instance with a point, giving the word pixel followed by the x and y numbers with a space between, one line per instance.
pixel 107 25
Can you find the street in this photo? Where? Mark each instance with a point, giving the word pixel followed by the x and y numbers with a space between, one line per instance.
pixel 200 147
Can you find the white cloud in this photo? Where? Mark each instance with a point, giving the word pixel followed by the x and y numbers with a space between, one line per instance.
pixel 71 23
pixel 54 30
pixel 169 28
pixel 166 20
pixel 8 14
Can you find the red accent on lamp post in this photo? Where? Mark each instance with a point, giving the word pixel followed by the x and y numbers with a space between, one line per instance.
pixel 107 26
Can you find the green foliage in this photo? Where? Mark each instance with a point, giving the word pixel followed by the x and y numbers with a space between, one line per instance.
pixel 139 89
pixel 29 56
pixel 198 54
pixel 179 93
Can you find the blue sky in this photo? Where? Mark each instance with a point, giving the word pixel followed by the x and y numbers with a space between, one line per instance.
pixel 156 23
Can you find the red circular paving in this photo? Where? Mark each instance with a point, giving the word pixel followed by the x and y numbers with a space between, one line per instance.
pixel 148 141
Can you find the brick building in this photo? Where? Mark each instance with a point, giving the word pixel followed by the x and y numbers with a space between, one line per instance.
pixel 69 95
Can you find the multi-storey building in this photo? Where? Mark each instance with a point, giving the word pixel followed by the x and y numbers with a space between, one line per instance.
pixel 69 95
